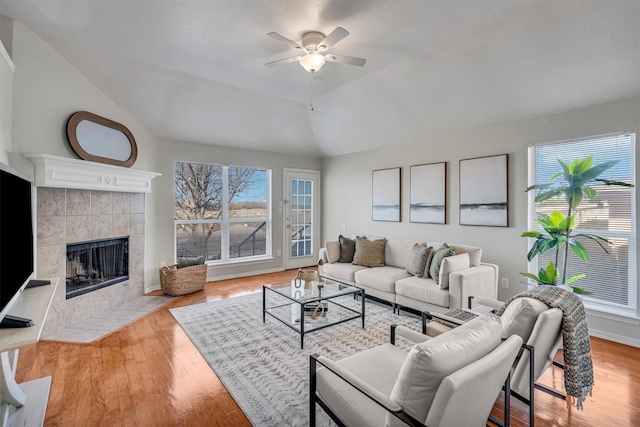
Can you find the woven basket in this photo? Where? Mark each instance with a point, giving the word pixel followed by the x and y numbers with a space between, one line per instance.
pixel 176 281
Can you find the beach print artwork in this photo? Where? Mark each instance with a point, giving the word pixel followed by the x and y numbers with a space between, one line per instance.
pixel 386 195
pixel 483 191
pixel 428 193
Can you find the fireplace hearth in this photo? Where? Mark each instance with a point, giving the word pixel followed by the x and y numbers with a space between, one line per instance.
pixel 96 264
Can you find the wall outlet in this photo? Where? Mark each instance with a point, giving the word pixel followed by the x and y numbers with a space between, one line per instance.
pixel 279 252
pixel 504 282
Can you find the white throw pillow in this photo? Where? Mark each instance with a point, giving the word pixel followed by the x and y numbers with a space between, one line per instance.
pixel 520 316
pixel 451 264
pixel 333 251
pixel 431 361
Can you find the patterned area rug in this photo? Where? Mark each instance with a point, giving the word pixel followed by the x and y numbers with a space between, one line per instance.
pixel 262 365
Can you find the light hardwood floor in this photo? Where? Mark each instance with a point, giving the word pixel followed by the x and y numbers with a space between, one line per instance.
pixel 149 374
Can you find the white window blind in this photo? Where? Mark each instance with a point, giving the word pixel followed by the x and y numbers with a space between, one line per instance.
pixel 611 214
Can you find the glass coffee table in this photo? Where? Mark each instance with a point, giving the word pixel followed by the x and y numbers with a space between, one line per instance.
pixel 294 303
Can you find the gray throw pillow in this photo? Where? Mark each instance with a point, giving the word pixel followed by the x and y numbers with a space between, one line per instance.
pixel 188 262
pixel 347 249
pixel 436 261
pixel 418 260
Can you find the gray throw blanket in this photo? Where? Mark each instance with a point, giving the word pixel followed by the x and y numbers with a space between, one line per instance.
pixel 578 367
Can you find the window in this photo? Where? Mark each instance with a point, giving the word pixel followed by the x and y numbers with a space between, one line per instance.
pixel 611 214
pixel 301 217
pixel 222 212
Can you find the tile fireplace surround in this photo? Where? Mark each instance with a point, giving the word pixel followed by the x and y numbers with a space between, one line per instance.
pixel 71 215
pixel 79 201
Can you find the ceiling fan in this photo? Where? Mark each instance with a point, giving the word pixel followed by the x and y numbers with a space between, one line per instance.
pixel 315 45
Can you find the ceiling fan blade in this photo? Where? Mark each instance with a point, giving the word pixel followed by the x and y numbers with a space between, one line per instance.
pixel 284 61
pixel 333 38
pixel 284 39
pixel 351 60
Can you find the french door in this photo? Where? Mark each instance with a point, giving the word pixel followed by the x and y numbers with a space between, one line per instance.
pixel 301 218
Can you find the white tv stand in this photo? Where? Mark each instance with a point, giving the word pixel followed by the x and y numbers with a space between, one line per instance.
pixel 24 404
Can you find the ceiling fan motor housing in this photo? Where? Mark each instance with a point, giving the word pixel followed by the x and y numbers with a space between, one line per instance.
pixel 311 40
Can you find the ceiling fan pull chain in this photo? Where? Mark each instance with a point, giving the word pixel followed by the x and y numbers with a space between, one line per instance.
pixel 311 101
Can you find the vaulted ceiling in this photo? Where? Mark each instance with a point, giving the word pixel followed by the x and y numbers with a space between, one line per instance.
pixel 194 70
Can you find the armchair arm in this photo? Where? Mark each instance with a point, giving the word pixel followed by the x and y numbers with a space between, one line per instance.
pixel 407 333
pixel 493 303
pixel 362 386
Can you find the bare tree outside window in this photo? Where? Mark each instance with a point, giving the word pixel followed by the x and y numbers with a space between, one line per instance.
pixel 200 208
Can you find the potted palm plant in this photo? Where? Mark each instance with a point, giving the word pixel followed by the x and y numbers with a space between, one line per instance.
pixel 574 182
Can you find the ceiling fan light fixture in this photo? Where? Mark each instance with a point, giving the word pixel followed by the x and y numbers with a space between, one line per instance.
pixel 312 62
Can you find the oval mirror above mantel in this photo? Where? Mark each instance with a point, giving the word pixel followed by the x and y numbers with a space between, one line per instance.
pixel 98 139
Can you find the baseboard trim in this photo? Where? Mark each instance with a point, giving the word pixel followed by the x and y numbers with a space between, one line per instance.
pixel 152 288
pixel 211 278
pixel 615 338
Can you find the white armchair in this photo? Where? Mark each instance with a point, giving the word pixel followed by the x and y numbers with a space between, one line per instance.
pixel 426 386
pixel 537 324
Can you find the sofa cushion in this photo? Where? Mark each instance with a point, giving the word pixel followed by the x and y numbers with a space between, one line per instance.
pixel 520 316
pixel 434 267
pixel 418 259
pixel 347 248
pixel 333 251
pixel 397 252
pixel 381 278
pixel 475 253
pixel 449 265
pixel 429 362
pixel 342 271
pixel 425 290
pixel 369 253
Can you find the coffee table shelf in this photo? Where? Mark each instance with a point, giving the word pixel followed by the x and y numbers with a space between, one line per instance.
pixel 290 297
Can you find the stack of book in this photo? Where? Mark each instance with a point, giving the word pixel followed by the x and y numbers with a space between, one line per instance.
pixel 319 308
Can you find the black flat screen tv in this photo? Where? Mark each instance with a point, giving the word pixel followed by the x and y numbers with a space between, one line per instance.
pixel 16 235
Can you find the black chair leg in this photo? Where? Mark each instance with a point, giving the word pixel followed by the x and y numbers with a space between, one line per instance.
pixel 312 391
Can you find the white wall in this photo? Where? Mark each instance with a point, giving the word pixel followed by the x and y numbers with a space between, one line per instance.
pixel 347 188
pixel 6 102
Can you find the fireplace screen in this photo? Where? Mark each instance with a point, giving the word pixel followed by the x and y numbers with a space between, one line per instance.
pixel 96 264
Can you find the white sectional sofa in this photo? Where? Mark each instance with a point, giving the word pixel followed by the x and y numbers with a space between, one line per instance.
pixel 394 284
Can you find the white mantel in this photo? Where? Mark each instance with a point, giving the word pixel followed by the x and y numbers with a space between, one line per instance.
pixel 63 172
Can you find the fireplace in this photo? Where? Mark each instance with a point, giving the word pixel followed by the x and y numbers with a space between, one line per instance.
pixel 96 264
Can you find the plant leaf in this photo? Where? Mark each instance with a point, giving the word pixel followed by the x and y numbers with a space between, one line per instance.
pixel 581 291
pixel 551 273
pixel 619 183
pixel 564 165
pixel 531 233
pixel 574 196
pixel 596 239
pixel 538 187
pixel 579 250
pixel 546 195
pixel 555 176
pixel 596 171
pixel 574 278
pixel 530 276
pixel 589 192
